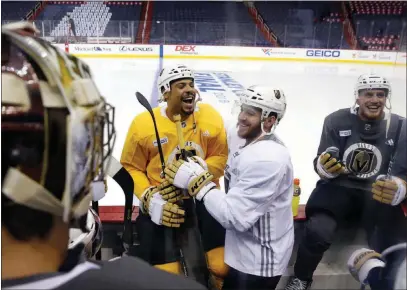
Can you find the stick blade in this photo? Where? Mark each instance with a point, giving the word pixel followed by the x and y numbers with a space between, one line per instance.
pixel 143 101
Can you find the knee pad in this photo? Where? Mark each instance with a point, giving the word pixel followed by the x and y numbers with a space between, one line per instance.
pixel 174 267
pixel 319 232
pixel 216 262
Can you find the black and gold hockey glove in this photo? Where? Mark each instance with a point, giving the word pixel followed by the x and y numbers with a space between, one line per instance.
pixel 328 165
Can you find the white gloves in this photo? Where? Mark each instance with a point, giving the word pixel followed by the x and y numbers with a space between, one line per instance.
pixel 161 211
pixel 362 261
pixel 98 189
pixel 190 175
pixel 389 191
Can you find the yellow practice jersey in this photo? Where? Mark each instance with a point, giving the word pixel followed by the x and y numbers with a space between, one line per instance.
pixel 140 156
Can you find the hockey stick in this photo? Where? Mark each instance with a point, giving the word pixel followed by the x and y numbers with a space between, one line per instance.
pixel 393 152
pixel 168 232
pixel 177 120
pixel 95 207
pixel 143 101
pixel 125 181
pixel 192 231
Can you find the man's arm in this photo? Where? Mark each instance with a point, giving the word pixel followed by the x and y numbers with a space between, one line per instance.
pixel 217 153
pixel 400 160
pixel 134 160
pixel 250 198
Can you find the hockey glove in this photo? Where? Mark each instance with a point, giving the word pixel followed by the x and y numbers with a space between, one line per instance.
pixel 169 192
pixel 98 189
pixel 200 161
pixel 328 165
pixel 389 191
pixel 362 261
pixel 161 211
pixel 190 175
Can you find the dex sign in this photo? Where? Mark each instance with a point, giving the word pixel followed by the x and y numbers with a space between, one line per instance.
pixel 185 48
pixel 323 53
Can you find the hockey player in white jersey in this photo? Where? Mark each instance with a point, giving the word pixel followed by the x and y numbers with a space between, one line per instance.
pixel 256 210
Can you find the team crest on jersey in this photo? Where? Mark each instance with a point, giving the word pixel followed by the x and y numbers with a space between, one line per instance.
pixel 363 160
pixel 192 149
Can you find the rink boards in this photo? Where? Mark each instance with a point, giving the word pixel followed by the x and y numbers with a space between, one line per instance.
pixel 221 73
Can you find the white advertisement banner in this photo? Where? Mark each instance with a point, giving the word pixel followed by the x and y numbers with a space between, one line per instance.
pixel 227 52
pixel 136 50
pixel 238 53
pixel 401 58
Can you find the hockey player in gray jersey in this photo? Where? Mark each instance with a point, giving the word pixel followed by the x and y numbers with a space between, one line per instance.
pixel 56 128
pixel 353 160
pixel 256 211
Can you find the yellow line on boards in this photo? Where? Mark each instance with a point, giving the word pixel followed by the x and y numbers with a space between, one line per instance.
pixel 249 58
pixel 281 59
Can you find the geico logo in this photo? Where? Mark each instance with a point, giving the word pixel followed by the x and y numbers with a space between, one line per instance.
pixel 185 48
pixel 135 48
pixel 323 53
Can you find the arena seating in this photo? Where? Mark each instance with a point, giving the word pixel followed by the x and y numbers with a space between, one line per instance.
pixel 305 24
pixel 221 23
pixel 377 7
pixel 379 24
pixel 90 20
pixel 15 10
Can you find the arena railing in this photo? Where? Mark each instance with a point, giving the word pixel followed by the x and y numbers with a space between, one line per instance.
pixel 326 35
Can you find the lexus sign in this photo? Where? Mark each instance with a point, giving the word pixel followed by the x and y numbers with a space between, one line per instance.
pixel 135 48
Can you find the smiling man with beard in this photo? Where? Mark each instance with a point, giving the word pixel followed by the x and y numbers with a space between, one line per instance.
pixel 256 210
pixel 205 139
pixel 352 161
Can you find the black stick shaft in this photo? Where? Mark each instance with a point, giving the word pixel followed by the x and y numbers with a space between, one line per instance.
pixel 393 153
pixel 168 232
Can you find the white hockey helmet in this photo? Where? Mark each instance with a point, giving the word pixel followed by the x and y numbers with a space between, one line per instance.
pixel 371 82
pixel 170 74
pixel 266 98
pixel 91 239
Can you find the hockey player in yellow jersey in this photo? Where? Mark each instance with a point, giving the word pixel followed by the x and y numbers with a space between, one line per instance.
pixel 205 139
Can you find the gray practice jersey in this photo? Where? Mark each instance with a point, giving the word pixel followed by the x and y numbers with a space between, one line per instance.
pixel 363 146
pixel 124 273
pixel 400 159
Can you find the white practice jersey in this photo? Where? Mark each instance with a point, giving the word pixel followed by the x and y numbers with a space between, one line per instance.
pixel 256 211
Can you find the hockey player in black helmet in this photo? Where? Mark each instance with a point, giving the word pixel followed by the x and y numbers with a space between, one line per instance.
pixel 57 137
pixel 352 161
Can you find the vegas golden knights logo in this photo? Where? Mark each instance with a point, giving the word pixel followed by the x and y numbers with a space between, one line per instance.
pixel 277 94
pixel 362 160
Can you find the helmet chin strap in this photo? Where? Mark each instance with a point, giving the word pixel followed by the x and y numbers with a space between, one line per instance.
pixel 271 131
pixel 387 115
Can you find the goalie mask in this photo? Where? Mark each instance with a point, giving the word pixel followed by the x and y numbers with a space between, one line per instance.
pixel 92 238
pixel 57 129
